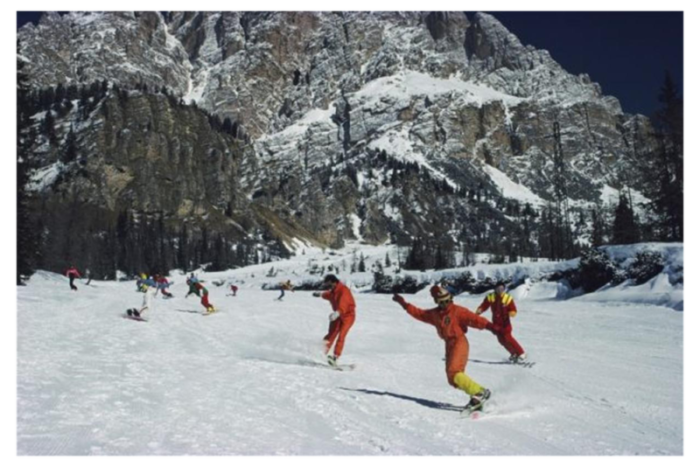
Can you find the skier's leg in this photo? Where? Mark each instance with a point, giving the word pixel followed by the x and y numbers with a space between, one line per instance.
pixel 503 340
pixel 333 330
pixel 345 325
pixel 508 341
pixel 512 345
pixel 456 362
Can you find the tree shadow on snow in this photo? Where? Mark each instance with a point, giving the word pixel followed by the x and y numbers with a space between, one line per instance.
pixel 417 400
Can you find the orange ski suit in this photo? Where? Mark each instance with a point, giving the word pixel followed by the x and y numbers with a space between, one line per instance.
pixel 343 302
pixel 451 324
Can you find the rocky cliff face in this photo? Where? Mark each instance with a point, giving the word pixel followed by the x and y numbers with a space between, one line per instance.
pixel 369 125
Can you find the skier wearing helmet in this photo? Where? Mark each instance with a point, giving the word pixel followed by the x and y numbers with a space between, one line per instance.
pixel 451 322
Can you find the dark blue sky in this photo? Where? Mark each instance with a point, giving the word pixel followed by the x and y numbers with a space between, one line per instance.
pixel 628 53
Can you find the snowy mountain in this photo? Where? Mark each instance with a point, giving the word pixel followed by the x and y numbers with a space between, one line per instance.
pixel 345 126
pixel 251 379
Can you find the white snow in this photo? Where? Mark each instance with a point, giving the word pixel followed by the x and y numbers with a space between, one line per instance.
pixel 611 195
pixel 511 189
pixel 542 291
pixel 398 144
pixel 284 145
pixel 196 92
pixel 672 252
pixel 45 176
pixel 22 57
pixel 356 224
pixel 658 291
pixel 172 42
pixel 408 83
pixel 251 378
pixel 39 116
pixel 312 117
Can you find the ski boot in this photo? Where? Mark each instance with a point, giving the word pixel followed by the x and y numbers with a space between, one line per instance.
pixel 130 311
pixel 136 313
pixel 477 401
pixel 520 359
pixel 333 361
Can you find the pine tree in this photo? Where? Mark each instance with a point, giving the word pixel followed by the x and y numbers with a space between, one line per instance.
pixel 598 227
pixel 60 93
pixel 48 127
pixel 28 238
pixel 70 147
pixel 624 227
pixel 72 92
pixel 665 164
pixel 443 257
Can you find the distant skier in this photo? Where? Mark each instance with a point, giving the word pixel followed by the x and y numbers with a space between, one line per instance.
pixel 72 274
pixel 451 322
pixel 142 282
pixel 162 284
pixel 234 289
pixel 285 286
pixel 89 276
pixel 197 288
pixel 503 308
pixel 149 292
pixel 342 318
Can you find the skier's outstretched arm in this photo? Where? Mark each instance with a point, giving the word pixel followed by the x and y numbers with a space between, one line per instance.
pixel 483 307
pixel 418 313
pixel 469 319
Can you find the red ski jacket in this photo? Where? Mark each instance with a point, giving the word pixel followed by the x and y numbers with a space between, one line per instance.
pixel 502 307
pixel 72 271
pixel 451 322
pixel 341 300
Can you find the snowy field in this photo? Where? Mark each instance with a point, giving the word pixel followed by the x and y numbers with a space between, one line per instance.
pixel 251 379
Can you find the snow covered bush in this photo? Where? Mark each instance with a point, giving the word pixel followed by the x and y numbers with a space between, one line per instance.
pixel 596 270
pixel 397 284
pixel 646 265
pixel 382 283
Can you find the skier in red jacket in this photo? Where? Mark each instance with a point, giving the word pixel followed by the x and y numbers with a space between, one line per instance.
pixel 451 322
pixel 342 318
pixel 72 274
pixel 162 285
pixel 503 308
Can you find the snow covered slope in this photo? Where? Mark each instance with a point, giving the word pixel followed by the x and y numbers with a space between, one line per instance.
pixel 251 379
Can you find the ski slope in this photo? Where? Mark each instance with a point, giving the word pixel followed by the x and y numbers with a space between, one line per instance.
pixel 251 378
